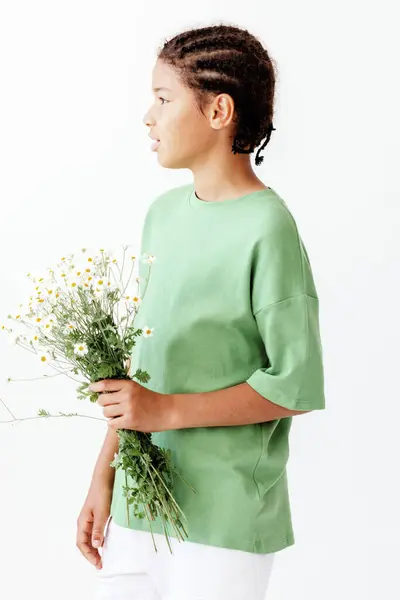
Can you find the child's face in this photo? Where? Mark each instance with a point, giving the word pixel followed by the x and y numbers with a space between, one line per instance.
pixel 186 135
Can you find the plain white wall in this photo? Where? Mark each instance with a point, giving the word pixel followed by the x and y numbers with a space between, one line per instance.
pixel 76 170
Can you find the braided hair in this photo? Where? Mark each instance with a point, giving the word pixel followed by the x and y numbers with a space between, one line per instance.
pixel 227 59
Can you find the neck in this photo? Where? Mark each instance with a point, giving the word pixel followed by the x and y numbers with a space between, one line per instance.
pixel 218 181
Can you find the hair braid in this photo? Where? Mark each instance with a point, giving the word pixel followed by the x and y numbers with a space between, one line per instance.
pixel 226 59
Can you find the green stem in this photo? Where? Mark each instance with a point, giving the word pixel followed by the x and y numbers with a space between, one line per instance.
pixel 151 529
pixel 127 499
pixel 162 481
pixel 166 508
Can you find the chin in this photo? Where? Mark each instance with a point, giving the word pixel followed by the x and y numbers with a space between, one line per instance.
pixel 170 163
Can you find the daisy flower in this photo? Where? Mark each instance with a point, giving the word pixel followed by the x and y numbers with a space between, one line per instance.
pixel 148 258
pixel 34 338
pixel 81 349
pixel 45 357
pixel 73 283
pixel 135 299
pixel 38 319
pixel 47 323
pixel 99 292
pixel 101 283
pixel 147 332
pixel 69 327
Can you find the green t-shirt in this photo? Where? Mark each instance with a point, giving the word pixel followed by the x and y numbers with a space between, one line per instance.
pixel 231 298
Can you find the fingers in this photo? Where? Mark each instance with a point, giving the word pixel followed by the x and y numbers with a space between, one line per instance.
pixel 113 410
pixel 97 537
pixel 84 544
pixel 91 554
pixel 108 385
pixel 109 398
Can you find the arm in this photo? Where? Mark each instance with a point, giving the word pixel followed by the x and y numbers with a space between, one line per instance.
pixel 236 405
pixel 103 474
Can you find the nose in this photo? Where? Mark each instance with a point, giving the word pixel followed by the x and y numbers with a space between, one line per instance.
pixel 147 121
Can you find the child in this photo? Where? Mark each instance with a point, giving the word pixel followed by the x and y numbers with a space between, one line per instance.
pixel 236 351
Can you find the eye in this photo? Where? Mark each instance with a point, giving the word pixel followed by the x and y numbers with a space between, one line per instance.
pixel 160 98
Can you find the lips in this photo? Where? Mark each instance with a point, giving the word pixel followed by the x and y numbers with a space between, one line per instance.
pixel 155 145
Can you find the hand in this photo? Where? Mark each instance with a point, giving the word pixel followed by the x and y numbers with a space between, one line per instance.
pixel 132 406
pixel 91 523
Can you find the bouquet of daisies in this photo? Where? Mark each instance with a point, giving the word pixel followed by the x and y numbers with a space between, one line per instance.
pixel 80 321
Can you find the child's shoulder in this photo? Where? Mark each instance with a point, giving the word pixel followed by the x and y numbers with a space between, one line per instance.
pixel 272 215
pixel 172 195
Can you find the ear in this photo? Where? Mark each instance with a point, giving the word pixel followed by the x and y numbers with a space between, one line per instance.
pixel 222 111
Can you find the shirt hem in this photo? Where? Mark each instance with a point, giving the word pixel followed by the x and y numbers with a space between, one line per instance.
pixel 255 547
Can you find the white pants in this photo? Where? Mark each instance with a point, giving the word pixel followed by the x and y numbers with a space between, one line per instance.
pixel 133 570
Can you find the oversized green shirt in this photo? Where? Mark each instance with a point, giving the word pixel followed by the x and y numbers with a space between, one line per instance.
pixel 231 298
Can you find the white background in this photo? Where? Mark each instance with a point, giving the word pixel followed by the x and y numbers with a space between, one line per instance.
pixel 76 170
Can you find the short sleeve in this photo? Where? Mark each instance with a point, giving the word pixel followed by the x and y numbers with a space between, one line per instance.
pixel 286 309
pixel 293 376
pixel 280 264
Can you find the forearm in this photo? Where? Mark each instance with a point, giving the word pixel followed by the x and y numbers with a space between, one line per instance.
pixel 236 405
pixel 103 473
